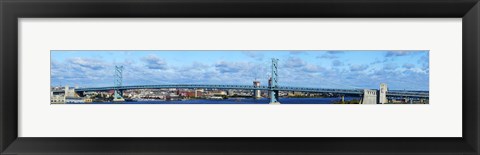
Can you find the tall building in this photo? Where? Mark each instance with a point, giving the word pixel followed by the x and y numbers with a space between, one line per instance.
pixel 256 93
pixel 382 96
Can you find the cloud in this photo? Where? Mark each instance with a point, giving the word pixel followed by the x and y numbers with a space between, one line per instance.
pixel 55 64
pixel 255 55
pixel 390 66
pixel 81 70
pixel 337 63
pixel 154 62
pixel 294 70
pixel 408 65
pixel 424 59
pixel 195 66
pixel 408 79
pixel 231 67
pixel 356 68
pixel 377 61
pixel 312 68
pixel 398 53
pixel 327 56
pixel 93 64
pixel 293 62
pixel 330 55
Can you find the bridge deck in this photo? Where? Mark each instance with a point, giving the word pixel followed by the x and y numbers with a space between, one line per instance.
pixel 423 94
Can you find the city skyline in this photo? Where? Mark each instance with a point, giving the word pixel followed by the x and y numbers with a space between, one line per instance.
pixel 407 69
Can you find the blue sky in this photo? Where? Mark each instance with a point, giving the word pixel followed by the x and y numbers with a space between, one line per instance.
pixel 407 69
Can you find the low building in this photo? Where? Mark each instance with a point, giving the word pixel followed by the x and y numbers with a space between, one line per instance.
pixel 57 99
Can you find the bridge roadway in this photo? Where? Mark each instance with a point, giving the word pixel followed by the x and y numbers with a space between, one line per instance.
pixel 393 93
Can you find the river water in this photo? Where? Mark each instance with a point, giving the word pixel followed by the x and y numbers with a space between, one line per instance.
pixel 236 101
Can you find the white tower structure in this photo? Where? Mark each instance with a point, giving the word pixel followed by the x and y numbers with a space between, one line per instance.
pixel 369 97
pixel 383 94
pixel 256 93
pixel 67 91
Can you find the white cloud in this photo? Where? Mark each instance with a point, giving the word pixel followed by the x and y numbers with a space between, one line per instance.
pixel 398 53
pixel 337 63
pixel 293 62
pixel 154 62
pixel 357 67
pixel 408 65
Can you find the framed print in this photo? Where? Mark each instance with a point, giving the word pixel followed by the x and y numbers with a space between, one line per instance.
pixel 209 77
pixel 243 84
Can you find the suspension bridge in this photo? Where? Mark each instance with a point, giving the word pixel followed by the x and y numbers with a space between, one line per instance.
pixel 369 96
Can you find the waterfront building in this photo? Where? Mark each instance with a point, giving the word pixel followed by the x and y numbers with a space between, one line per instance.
pixel 230 92
pixel 186 93
pixel 57 99
pixel 198 92
pixel 218 92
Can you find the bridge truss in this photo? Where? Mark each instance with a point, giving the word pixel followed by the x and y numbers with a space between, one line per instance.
pixel 420 94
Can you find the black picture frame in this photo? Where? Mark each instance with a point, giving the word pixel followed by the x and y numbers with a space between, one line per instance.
pixel 11 10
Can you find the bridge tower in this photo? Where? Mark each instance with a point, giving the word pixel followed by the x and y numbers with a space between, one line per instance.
pixel 118 80
pixel 369 97
pixel 256 93
pixel 382 95
pixel 273 83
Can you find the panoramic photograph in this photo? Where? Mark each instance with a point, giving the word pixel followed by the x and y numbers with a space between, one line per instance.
pixel 239 77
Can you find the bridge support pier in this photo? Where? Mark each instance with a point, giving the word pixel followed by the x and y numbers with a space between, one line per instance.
pixel 274 97
pixel 369 97
pixel 118 96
